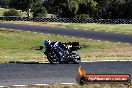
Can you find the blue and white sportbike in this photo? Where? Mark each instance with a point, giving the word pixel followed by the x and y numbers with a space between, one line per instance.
pixel 58 52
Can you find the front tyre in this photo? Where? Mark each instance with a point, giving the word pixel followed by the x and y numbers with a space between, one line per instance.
pixel 75 58
pixel 53 57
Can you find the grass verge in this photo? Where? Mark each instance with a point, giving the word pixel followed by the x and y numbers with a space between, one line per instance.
pixel 78 86
pixel 23 46
pixel 120 28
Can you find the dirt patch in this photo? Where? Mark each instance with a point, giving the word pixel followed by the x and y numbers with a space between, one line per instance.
pixel 2 30
pixel 5 31
pixel 36 23
pixel 108 53
pixel 7 59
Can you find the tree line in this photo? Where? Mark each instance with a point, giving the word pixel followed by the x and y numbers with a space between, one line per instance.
pixel 107 9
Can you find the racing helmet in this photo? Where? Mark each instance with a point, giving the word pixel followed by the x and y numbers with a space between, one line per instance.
pixel 47 42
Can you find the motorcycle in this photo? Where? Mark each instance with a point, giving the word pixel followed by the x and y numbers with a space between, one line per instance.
pixel 67 54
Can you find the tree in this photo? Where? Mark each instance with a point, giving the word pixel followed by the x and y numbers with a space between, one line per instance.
pixel 128 10
pixel 110 8
pixel 73 7
pixel 23 4
pixel 65 8
pixel 48 4
pixel 87 7
pixel 4 3
pixel 61 8
pixel 116 9
pixel 39 11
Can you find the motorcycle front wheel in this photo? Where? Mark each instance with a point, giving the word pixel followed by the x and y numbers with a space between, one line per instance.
pixel 75 58
pixel 53 57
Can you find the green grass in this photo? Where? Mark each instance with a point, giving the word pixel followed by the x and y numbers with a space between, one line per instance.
pixel 20 46
pixel 121 28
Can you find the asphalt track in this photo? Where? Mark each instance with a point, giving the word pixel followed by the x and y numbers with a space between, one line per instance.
pixel 45 73
pixel 98 35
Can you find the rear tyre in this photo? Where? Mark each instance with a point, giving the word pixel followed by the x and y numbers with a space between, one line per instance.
pixel 53 57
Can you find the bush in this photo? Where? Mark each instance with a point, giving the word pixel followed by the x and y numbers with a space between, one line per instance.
pixel 40 12
pixel 83 16
pixel 11 12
